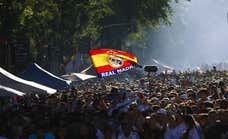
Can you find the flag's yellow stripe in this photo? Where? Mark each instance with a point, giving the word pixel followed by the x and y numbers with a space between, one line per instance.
pixel 128 58
pixel 100 60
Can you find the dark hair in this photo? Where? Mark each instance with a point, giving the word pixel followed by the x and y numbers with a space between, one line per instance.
pixel 208 104
pixel 224 104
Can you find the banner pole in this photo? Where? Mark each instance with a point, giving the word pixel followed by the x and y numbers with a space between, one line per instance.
pixel 85 70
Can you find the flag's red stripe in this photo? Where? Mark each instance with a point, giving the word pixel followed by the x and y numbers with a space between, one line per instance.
pixel 110 68
pixel 103 51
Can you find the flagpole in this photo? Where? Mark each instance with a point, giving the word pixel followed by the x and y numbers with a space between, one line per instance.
pixel 86 69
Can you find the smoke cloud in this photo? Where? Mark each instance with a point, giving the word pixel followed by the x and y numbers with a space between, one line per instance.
pixel 198 35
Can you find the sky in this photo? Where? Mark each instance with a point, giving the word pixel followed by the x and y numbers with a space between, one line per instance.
pixel 198 35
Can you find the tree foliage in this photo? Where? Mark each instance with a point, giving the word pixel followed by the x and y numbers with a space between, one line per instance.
pixel 69 24
pixel 137 16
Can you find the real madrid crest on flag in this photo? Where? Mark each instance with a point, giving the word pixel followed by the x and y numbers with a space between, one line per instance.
pixel 109 62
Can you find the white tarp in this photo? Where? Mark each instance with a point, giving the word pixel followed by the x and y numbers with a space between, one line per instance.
pixel 163 65
pixel 6 90
pixel 23 82
pixel 67 81
pixel 39 75
pixel 75 76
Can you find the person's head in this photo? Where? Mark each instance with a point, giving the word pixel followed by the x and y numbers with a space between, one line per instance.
pixel 194 108
pixel 224 104
pixel 114 90
pixel 191 94
pixel 213 89
pixel 208 104
pixel 202 94
pixel 161 116
pixel 221 84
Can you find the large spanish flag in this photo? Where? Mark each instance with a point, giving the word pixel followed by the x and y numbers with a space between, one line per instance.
pixel 109 62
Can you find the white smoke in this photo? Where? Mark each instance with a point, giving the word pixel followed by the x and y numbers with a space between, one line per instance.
pixel 198 35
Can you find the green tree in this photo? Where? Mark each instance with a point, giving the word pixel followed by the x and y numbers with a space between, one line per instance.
pixel 133 18
pixel 79 21
pixel 26 20
pixel 52 25
pixel 55 28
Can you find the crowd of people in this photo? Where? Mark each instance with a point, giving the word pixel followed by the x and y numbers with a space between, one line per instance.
pixel 189 105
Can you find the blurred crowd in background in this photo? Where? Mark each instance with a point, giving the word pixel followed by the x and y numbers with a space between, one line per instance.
pixel 188 105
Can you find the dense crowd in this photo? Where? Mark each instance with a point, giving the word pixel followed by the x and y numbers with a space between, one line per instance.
pixel 188 105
